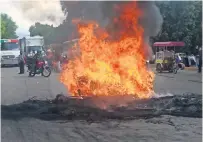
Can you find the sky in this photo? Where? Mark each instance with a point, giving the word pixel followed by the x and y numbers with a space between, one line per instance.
pixel 25 13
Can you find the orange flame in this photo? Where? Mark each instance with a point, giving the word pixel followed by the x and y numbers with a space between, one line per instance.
pixel 110 67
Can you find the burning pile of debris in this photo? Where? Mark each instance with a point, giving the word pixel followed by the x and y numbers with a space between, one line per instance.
pixel 92 108
pixel 112 62
pixel 109 69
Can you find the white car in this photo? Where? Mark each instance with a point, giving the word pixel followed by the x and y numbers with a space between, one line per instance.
pixel 9 52
pixel 9 57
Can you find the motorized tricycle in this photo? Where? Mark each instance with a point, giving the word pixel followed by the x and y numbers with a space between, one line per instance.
pixel 165 59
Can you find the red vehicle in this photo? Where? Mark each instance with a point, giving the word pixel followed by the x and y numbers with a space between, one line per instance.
pixel 41 68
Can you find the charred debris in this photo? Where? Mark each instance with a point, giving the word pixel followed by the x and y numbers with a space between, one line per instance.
pixel 97 109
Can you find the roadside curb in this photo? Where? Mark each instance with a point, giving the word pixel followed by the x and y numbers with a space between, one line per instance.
pixel 191 68
pixel 186 68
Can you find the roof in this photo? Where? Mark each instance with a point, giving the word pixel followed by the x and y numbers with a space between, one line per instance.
pixel 8 40
pixel 170 43
pixel 34 37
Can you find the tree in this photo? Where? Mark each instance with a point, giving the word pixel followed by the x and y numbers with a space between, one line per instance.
pixel 8 27
pixel 182 22
pixel 3 28
pixel 44 30
pixel 53 34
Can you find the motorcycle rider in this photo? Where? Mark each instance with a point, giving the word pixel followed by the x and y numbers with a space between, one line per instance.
pixel 36 57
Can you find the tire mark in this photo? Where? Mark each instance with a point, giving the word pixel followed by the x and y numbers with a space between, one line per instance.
pixel 20 131
pixel 85 134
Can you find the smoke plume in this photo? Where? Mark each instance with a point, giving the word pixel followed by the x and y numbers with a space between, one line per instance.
pixel 104 11
pixel 43 11
pixel 151 20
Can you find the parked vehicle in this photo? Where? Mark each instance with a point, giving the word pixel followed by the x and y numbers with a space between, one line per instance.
pixel 165 59
pixel 9 52
pixel 29 44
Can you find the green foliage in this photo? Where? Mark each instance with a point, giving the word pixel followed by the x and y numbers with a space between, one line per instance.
pixel 52 34
pixel 182 22
pixel 8 27
pixel 46 31
pixel 3 28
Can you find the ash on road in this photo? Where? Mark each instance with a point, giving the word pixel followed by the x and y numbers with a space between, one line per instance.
pixel 21 126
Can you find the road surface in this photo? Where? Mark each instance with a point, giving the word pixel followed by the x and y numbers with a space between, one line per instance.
pixel 18 88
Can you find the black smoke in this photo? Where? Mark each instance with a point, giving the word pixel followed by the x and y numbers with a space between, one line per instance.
pixel 104 11
pixel 151 20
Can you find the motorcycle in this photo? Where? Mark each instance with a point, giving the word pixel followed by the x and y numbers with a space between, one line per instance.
pixel 41 68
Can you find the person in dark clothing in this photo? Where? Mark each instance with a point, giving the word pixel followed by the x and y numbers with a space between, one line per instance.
pixel 21 63
pixel 186 60
pixel 200 61
pixel 36 57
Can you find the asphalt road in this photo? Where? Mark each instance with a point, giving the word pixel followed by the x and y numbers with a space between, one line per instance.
pixel 18 88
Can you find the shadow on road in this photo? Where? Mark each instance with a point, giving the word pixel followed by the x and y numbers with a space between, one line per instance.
pixel 28 77
pixel 9 66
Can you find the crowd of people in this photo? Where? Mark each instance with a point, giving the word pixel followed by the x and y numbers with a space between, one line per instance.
pixel 53 58
pixel 192 60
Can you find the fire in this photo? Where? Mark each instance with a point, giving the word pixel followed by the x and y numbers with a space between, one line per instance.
pixel 109 66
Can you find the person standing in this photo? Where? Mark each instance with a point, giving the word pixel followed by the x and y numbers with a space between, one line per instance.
pixel 200 61
pixel 49 57
pixel 58 53
pixel 186 60
pixel 21 63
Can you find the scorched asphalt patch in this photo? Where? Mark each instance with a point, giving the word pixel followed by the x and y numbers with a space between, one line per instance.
pixel 66 108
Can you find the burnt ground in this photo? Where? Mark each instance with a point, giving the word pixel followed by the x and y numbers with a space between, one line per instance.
pixel 169 118
pixel 90 109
